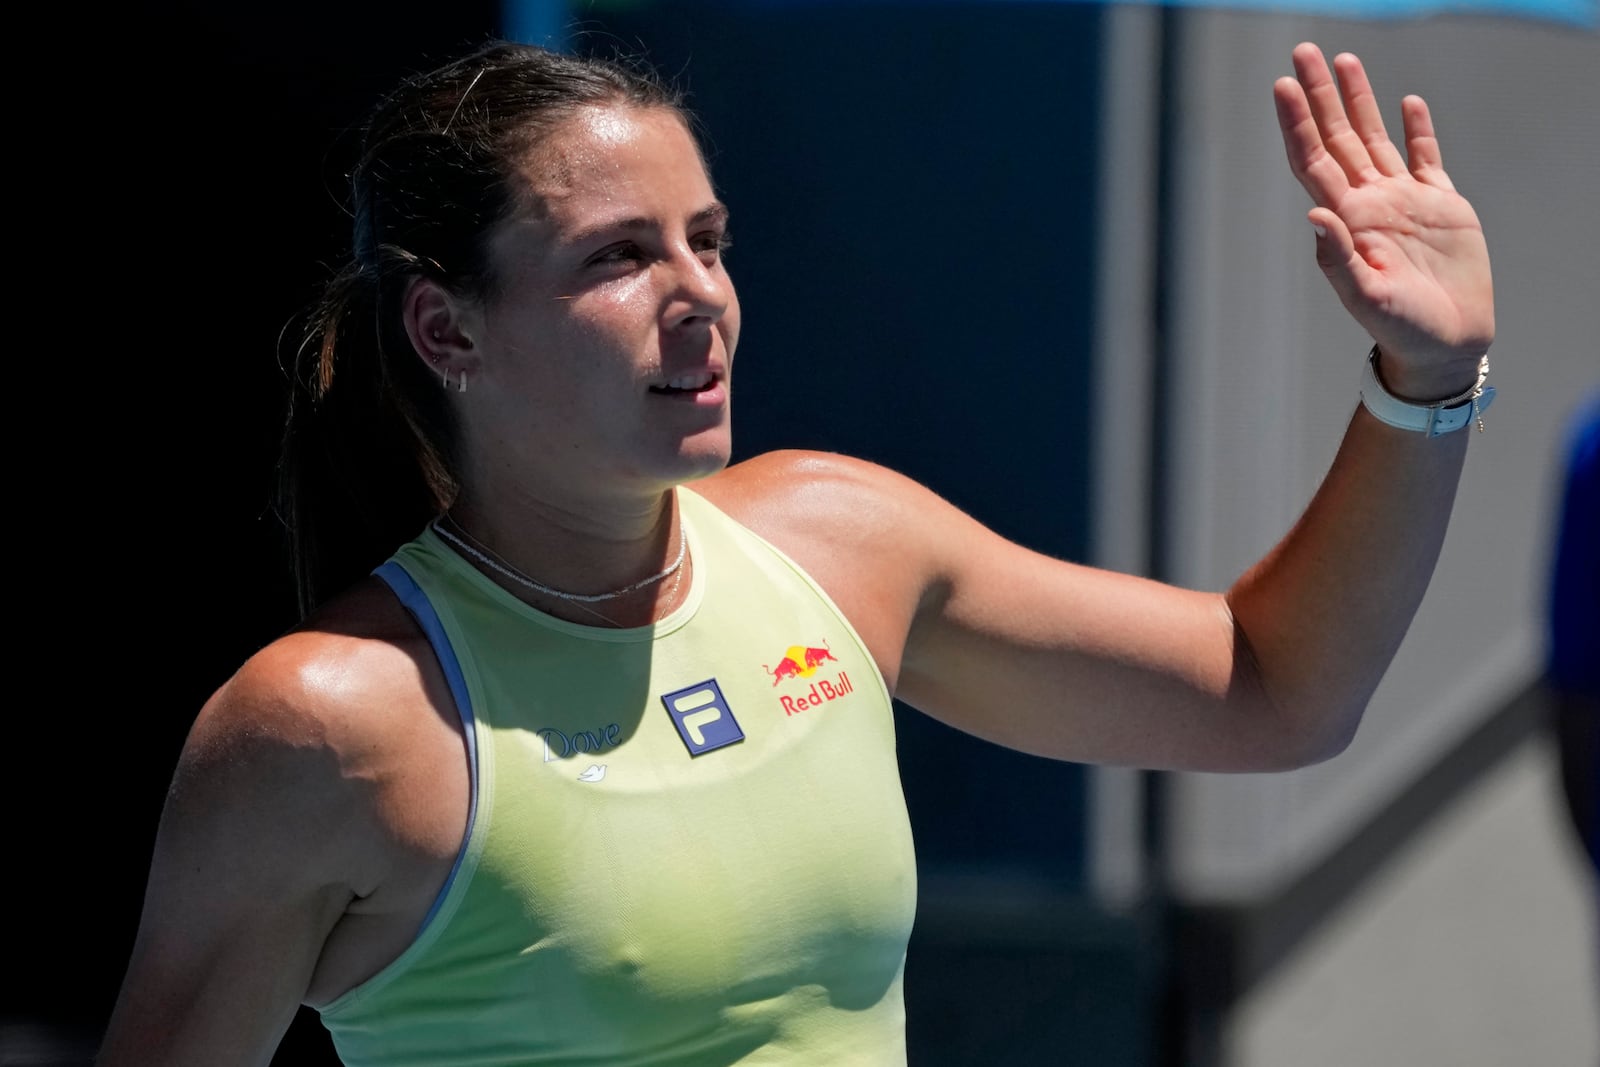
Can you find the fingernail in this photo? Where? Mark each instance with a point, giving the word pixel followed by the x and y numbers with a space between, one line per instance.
pixel 1322 231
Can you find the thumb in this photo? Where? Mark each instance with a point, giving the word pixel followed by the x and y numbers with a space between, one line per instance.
pixel 1336 254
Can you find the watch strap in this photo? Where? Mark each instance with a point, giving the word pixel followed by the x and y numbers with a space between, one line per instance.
pixel 1432 420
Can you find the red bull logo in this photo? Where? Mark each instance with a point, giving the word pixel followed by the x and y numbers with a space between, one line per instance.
pixel 820 693
pixel 801 661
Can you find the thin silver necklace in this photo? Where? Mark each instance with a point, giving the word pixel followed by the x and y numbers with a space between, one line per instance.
pixel 482 554
pixel 671 592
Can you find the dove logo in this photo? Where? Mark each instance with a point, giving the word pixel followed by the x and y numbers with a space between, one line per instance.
pixel 558 745
pixel 593 773
pixel 702 716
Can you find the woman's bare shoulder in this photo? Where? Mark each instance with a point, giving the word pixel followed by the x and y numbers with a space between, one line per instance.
pixel 865 533
pixel 339 658
pixel 821 491
pixel 310 779
pixel 314 707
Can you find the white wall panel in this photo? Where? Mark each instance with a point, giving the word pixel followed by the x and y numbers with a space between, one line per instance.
pixel 1266 380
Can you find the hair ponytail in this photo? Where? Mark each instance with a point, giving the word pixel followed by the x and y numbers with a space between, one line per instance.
pixel 360 469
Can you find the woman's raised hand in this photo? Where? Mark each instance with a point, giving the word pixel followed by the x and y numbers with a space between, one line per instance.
pixel 1404 251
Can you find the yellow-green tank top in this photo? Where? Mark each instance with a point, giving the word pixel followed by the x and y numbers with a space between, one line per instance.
pixel 687 845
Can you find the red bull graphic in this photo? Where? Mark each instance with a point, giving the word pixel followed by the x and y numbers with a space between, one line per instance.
pixel 801 661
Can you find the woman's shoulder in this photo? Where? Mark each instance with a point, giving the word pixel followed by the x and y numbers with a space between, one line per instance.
pixel 334 660
pixel 787 463
pixel 314 705
pixel 828 500
pixel 304 779
pixel 817 486
pixel 865 533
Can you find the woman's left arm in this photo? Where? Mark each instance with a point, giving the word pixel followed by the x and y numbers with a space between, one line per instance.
pixel 1277 671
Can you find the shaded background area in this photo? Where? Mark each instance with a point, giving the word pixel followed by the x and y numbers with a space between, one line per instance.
pixel 922 225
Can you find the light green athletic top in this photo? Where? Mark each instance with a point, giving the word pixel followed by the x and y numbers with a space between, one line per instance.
pixel 688 843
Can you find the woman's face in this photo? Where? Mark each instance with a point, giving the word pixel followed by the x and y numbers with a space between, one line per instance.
pixel 606 347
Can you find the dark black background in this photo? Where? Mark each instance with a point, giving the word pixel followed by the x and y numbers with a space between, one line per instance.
pixel 181 163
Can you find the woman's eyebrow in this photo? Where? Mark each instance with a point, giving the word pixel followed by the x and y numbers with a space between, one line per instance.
pixel 715 212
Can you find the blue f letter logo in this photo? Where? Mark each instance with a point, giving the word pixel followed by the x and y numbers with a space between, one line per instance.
pixel 702 716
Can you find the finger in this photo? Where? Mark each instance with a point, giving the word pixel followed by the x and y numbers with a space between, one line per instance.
pixel 1422 146
pixel 1327 107
pixel 1361 104
pixel 1317 171
pixel 1350 275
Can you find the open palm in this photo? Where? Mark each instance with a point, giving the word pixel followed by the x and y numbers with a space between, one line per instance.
pixel 1404 251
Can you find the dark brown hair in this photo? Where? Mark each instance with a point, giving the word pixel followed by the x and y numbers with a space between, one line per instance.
pixel 368 452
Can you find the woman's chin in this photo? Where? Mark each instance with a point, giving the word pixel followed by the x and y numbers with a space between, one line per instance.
pixel 702 462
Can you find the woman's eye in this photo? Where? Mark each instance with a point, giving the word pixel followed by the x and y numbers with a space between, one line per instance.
pixel 626 252
pixel 717 243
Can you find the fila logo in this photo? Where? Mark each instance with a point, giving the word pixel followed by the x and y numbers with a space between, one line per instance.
pixel 702 716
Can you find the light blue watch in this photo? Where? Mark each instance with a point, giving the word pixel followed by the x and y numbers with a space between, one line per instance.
pixel 1432 420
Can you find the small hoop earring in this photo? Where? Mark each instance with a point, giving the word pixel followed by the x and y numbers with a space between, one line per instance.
pixel 463 386
pixel 447 377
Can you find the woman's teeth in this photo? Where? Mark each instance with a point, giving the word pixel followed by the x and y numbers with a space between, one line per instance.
pixel 685 383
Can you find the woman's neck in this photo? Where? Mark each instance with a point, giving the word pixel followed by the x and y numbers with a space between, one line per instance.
pixel 623 565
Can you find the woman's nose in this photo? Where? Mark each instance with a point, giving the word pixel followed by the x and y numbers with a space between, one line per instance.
pixel 701 293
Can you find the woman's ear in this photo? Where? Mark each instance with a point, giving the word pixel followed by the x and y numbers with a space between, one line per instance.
pixel 435 321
